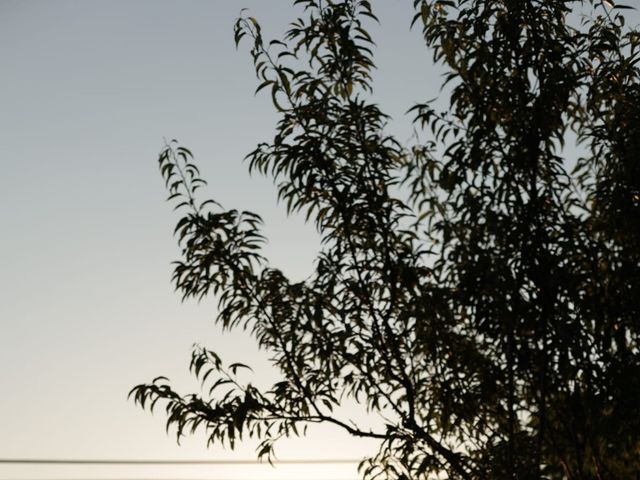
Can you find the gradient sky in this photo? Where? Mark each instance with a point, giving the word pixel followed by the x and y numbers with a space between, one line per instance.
pixel 88 91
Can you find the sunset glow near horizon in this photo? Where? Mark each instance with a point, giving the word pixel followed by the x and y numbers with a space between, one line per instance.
pixel 90 89
pixel 321 471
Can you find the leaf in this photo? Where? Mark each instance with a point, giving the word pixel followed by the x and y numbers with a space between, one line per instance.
pixel 235 366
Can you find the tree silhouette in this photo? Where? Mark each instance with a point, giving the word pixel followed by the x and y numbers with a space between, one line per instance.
pixel 480 291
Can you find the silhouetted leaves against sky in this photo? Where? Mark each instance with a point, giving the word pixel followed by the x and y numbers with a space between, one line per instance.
pixel 477 290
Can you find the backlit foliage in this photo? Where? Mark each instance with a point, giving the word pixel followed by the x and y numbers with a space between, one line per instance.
pixel 479 290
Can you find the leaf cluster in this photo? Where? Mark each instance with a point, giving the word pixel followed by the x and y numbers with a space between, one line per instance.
pixel 479 292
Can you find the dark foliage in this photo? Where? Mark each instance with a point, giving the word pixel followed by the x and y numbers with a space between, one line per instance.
pixel 481 290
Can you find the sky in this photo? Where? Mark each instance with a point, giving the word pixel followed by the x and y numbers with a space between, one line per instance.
pixel 88 91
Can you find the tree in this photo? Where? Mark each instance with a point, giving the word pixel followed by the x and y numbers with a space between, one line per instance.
pixel 479 290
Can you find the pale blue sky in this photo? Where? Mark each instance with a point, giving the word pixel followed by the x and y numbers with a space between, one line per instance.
pixel 88 90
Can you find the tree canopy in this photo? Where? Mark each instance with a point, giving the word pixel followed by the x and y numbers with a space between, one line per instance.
pixel 479 290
